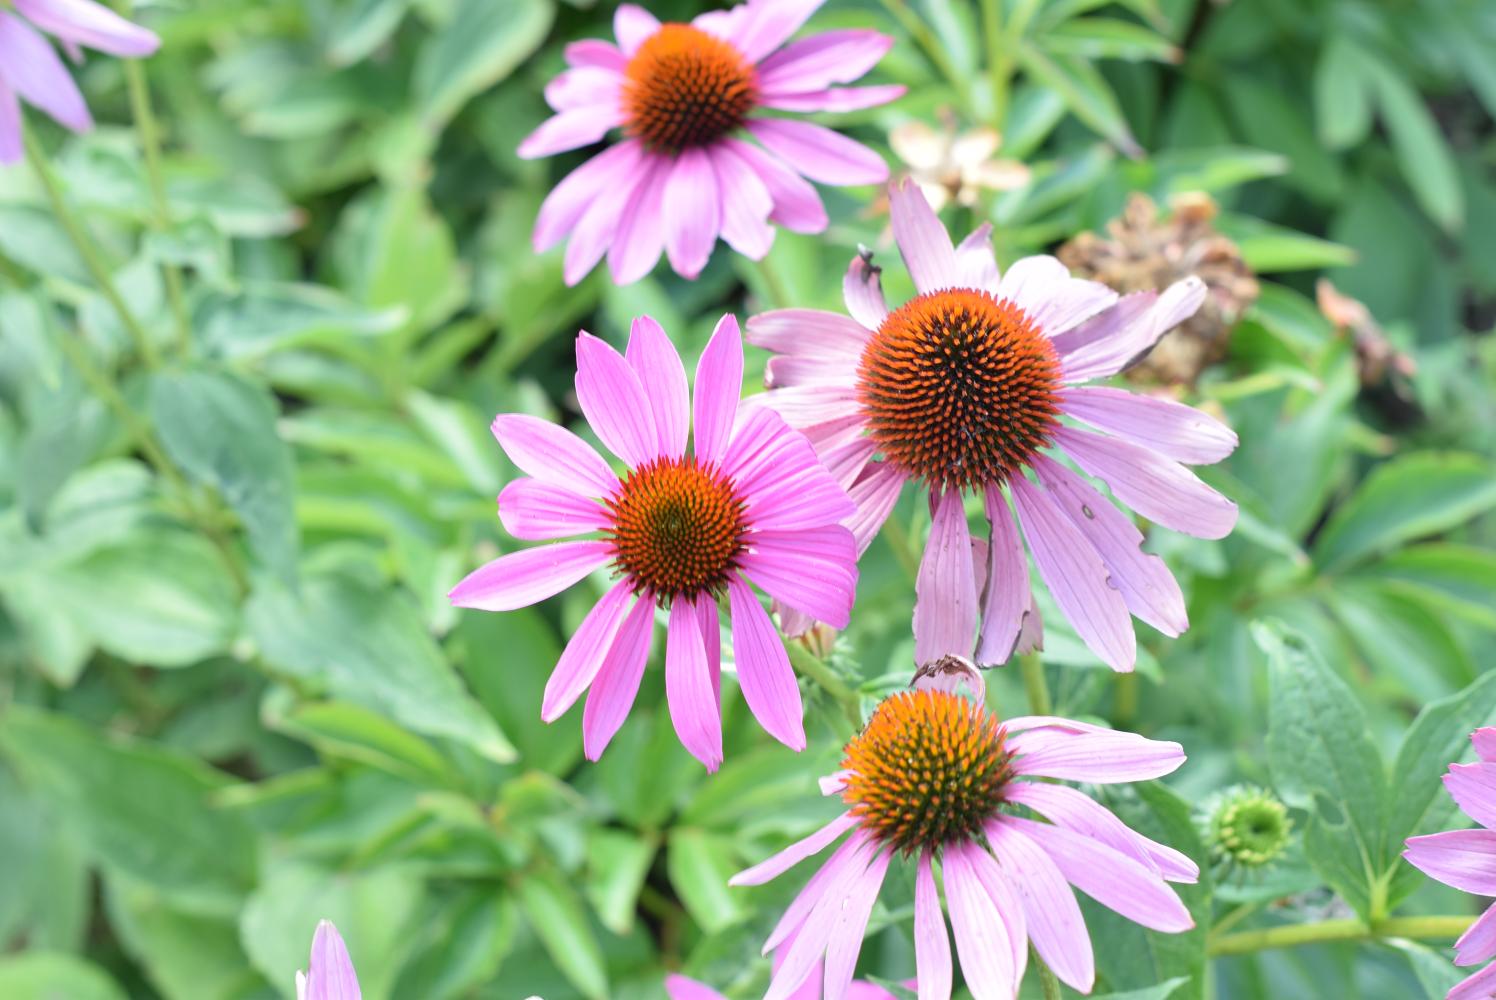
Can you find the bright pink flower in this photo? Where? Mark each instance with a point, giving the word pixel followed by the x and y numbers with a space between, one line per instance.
pixel 682 177
pixel 30 69
pixel 749 504
pixel 329 974
pixel 963 389
pixel 1466 859
pixel 932 778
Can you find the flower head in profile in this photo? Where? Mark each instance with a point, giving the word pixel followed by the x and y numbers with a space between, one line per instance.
pixel 682 529
pixel 934 779
pixel 966 389
pixel 683 173
pixel 329 975
pixel 1466 859
pixel 31 70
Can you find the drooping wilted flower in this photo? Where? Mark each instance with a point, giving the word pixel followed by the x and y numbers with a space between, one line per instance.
pixel 950 165
pixel 749 504
pixel 1144 251
pixel 963 389
pixel 31 71
pixel 1466 859
pixel 681 177
pixel 935 779
pixel 1245 828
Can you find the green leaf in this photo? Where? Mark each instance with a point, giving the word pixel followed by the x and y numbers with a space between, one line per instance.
pixel 1432 968
pixel 1108 38
pixel 617 863
pixel 1342 93
pixel 1163 991
pixel 267 317
pixel 48 897
pixel 1399 637
pixel 42 975
pixel 353 733
pixel 1425 158
pixel 1085 92
pixel 370 648
pixel 464 946
pixel 187 956
pixel 1457 579
pixel 1270 249
pixel 1414 496
pixel 481 45
pixel 699 865
pixel 361 27
pixel 137 807
pixel 394 251
pixel 556 913
pixel 220 430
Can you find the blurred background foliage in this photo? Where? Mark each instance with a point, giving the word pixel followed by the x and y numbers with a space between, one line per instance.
pixel 234 699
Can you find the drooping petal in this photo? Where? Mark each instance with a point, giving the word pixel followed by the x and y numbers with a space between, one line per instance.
pixel 813 571
pixel 1008 594
pixel 819 153
pixel 633 24
pixel 837 100
pixel 1159 489
pixel 585 651
pixel 593 235
pixel 1127 310
pixel 538 511
pixel 719 383
pixel 764 671
pixel 569 201
pixel 570 129
pixel 662 375
pixel 1009 907
pixel 1054 300
pixel 1465 859
pixel 693 212
pixel 1480 986
pixel 1172 429
pixel 30 66
pixel 330 974
pixel 1051 914
pixel 810 333
pixel 1473 786
pixel 1075 810
pixel 678 987
pixel 851 924
pixel 923 242
pixel 976 266
pixel 696 714
pixel 797 205
pixel 1484 741
pixel 789 370
pixel 1478 944
pixel 617 683
pixel 771 868
pixel 817 62
pixel 526 577
pixel 945 603
pixel 766 26
pixel 92 25
pixel 982 938
pixel 1101 757
pixel 827 877
pixel 932 947
pixel 614 402
pixel 1122 346
pixel 862 289
pixel 812 936
pixel 875 494
pixel 746 206
pixel 640 238
pixel 554 455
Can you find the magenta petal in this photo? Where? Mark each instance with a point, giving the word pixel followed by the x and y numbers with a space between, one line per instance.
pixel 584 86
pixel 766 26
pixel 819 153
pixel 570 129
pixel 1172 429
pixel 1008 594
pixel 537 511
pixel 983 939
pixel 633 24
pixel 862 289
pixel 813 570
pixel 596 52
pixel 1480 986
pixel 827 877
pixel 1051 914
pixel 641 232
pixel 771 868
pixel 837 100
pixel 1484 741
pixel 945 603
pixel 1101 757
pixel 554 455
pixel 1465 859
pixel 83 22
pixel 1478 943
pixel 805 952
pixel 614 402
pixel 523 578
pixel 746 205
pixel 1159 489
pixel 1473 786
pixel 678 987
pixel 32 69
pixel 817 62
pixel 932 946
pixel 976 266
pixel 594 233
pixel 810 332
pixel 330 974
pixel 12 149
pixel 797 206
pixel 1076 576
pixel 697 715
pixel 764 671
pixel 719 383
pixel 617 683
pixel 693 212
pixel 663 378
pixel 923 242
pixel 585 651
pixel 1075 810
pixel 569 201
pixel 845 942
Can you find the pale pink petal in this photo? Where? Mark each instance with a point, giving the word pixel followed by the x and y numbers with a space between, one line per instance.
pixel 537 511
pixel 594 233
pixel 1107 323
pixel 1481 986
pixel 585 651
pixel 1478 944
pixel 1150 590
pixel 862 289
pixel 554 455
pixel 569 201
pixel 719 383
pixel 1484 741
pixel 596 52
pixel 1074 810
pixel 813 934
pixel 725 24
pixel 1009 907
pixel 1172 429
pixel 1465 859
pixel 806 406
pixel 932 946
pixel 810 332
pixel 945 603
pixel 976 267
pixel 813 571
pixel 764 671
pixel 837 100
pixel 1076 576
pixel 1051 914
pixel 784 486
pixel 851 924
pixel 1101 757
pixel 583 87
pixel 746 205
pixel 617 684
pixel 614 402
pixel 1055 301
pixel 1159 489
pixel 12 149
pixel 1008 593
pixel 1109 355
pixel 923 242
pixel 875 494
pixel 32 69
pixel 817 62
pixel 678 987
pixel 819 153
pixel 768 24
pixel 797 206
pixel 693 212
pixel 983 940
pixel 633 24
pixel 827 877
pixel 786 371
pixel 523 578
pixel 845 463
pixel 696 714
pixel 570 129
pixel 330 974
pixel 83 22
pixel 641 232
pixel 797 852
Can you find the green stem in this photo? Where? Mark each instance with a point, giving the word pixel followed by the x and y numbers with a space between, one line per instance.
pixel 1291 935
pixel 150 142
pixel 1232 917
pixel 806 663
pixel 902 543
pixel 1035 684
pixel 925 39
pixel 779 296
pixel 88 250
pixel 1047 982
pixel 999 65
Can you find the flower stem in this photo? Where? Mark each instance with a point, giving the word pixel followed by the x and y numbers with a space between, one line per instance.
pixel 88 250
pixel 1291 935
pixel 150 142
pixel 809 665
pixel 1047 981
pixel 999 64
pixel 1035 684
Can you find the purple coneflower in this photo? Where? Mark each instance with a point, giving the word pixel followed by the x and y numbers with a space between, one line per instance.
pixel 748 504
pixel 1466 859
pixel 934 778
pixel 683 176
pixel 963 388
pixel 31 70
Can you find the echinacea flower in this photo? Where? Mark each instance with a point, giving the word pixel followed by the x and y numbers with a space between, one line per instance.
pixel 329 974
pixel 934 778
pixel 682 175
pixel 748 504
pixel 963 389
pixel 1466 859
pixel 31 70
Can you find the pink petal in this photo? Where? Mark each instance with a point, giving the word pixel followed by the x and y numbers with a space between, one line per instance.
pixel 1074 810
pixel 845 464
pixel 837 100
pixel 569 201
pixel 1172 429
pixel 617 683
pixel 1101 757
pixel 596 52
pixel 1465 859
pixel 803 954
pixel 945 603
pixel 1042 286
pixel 810 332
pixel 792 492
pixel 787 371
pixel 1473 786
pixel 875 495
pixel 813 571
pixel 764 671
pixel 585 651
pixel 833 873
pixel 597 229
pixel 570 129
pixel 922 239
pixel 1051 914
pixel 810 405
pixel 82 22
pixel 330 974
pixel 663 378
pixel 766 26
pixel 745 207
pixel 1109 355
pixel 633 24
pixel 696 714
pixel 1478 944
pixel 976 267
pixel 1107 323
pixel 12 149
pixel 982 937
pixel 678 987
pixel 1159 489
pixel 31 68
pixel 641 232
pixel 797 206
pixel 583 87
pixel 1076 577
pixel 554 455
pixel 709 620
pixel 1009 907
pixel 1150 590
pixel 719 383
pixel 819 153
pixel 1480 986
pixel 862 289
pixel 523 578
pixel 773 867
pixel 817 62
pixel 537 511
pixel 851 924
pixel 614 402
pixel 1484 741
pixel 1110 877
pixel 693 212
pixel 1008 594
pixel 932 947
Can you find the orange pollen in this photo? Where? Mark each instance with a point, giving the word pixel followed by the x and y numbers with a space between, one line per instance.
pixel 686 89
pixel 929 769
pixel 959 388
pixel 677 528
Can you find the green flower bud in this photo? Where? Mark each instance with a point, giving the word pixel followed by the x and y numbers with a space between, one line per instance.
pixel 1245 827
